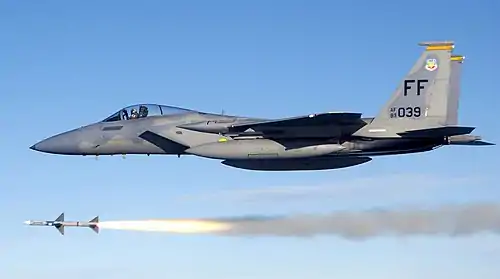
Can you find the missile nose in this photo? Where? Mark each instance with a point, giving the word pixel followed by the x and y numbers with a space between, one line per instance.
pixel 27 222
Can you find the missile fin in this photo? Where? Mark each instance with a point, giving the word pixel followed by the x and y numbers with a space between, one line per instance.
pixel 94 227
pixel 60 218
pixel 60 228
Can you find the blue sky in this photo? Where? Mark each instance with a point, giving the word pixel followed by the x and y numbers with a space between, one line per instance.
pixel 65 64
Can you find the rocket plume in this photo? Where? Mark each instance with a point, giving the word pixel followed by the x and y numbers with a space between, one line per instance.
pixel 172 226
pixel 447 220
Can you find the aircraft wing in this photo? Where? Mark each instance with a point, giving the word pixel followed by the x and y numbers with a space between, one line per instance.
pixel 321 119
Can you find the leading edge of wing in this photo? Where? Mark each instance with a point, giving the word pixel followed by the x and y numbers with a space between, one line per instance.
pixel 312 119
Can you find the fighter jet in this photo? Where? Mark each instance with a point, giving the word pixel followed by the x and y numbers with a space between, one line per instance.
pixel 421 115
pixel 59 223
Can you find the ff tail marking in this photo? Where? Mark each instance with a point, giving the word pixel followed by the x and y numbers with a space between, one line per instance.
pixel 426 100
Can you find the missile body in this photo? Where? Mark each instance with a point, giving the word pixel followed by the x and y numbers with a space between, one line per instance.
pixel 60 223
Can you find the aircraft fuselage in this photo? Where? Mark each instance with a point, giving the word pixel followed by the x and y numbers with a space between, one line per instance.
pixel 421 115
pixel 135 137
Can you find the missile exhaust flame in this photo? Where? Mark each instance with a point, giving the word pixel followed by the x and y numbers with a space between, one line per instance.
pixel 448 220
pixel 172 226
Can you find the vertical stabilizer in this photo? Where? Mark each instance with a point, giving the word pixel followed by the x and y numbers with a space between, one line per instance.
pixel 454 92
pixel 422 98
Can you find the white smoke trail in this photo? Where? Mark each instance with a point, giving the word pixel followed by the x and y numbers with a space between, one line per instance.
pixel 447 220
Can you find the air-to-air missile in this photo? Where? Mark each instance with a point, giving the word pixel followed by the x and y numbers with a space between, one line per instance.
pixel 59 223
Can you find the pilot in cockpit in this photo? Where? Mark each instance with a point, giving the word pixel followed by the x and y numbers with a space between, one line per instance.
pixel 134 114
pixel 143 111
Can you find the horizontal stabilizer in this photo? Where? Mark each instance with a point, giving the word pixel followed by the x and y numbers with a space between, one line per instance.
pixel 309 120
pixel 438 132
pixel 471 140
pixel 474 143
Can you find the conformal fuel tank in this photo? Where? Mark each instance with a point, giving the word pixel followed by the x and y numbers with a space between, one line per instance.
pixel 261 149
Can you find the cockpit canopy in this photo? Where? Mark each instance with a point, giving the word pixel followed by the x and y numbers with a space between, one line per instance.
pixel 144 110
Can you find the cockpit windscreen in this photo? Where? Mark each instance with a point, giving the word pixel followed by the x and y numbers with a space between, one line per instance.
pixel 145 110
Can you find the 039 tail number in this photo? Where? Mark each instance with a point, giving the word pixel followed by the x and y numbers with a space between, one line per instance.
pixel 405 112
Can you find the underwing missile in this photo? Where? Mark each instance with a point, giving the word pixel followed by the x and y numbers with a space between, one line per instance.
pixel 59 223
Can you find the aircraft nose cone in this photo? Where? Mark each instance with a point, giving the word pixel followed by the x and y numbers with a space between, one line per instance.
pixel 65 143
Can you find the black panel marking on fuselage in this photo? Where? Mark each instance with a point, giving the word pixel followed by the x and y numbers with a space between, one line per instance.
pixel 112 128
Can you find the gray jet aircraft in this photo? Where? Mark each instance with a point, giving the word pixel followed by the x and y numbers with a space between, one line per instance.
pixel 421 115
pixel 60 223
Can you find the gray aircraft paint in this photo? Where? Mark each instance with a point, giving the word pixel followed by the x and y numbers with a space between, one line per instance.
pixel 454 92
pixel 427 119
pixel 261 149
pixel 421 98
